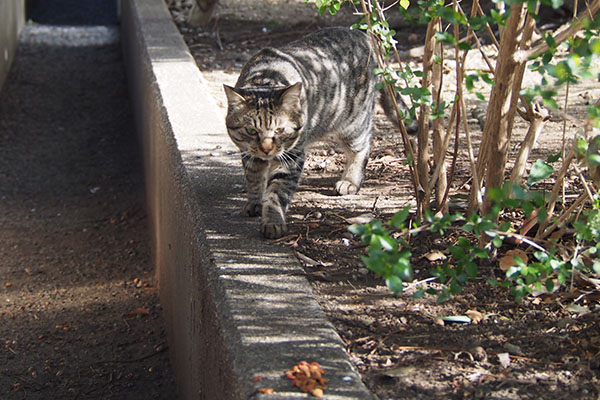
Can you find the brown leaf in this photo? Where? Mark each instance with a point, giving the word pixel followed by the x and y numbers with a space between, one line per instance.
pixel 308 377
pixel 361 219
pixel 475 316
pixel 435 255
pixel 138 312
pixel 266 390
pixel 508 260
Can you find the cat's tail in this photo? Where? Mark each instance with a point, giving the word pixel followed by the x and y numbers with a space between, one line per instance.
pixel 388 106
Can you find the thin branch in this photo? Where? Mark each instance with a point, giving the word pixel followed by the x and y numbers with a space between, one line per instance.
pixel 559 37
pixel 555 191
pixel 580 200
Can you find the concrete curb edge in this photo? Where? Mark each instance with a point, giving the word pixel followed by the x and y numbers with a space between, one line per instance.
pixel 236 307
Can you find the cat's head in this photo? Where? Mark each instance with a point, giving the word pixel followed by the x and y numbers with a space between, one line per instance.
pixel 265 122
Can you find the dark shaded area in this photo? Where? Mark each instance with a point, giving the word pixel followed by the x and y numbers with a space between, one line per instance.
pixel 72 12
pixel 80 316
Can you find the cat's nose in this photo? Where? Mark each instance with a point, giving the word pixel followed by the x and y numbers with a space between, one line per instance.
pixel 266 145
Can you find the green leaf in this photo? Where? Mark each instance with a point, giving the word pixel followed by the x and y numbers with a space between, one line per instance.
pixel 454 17
pixel 554 157
pixel 394 283
pixel 539 171
pixel 596 266
pixel 471 269
pixel 542 214
pixel 469 81
pixel 457 252
pixel 549 285
pixel 399 219
pixel 594 160
pixel 581 145
pixel 497 242
pixel 375 262
pixel 480 253
pixel 357 229
pixel 594 46
pixel 464 46
pixel 442 297
pixel 404 4
pixel 445 37
pixel 477 23
pixel 402 268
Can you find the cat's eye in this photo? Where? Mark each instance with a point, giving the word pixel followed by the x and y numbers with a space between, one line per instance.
pixel 252 131
pixel 279 131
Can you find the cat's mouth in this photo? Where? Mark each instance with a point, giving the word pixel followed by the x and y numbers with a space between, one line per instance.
pixel 268 157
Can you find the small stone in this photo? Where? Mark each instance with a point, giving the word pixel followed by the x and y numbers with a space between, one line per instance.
pixel 479 353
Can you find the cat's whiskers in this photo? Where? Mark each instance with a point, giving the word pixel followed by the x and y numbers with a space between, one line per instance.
pixel 286 159
pixel 248 159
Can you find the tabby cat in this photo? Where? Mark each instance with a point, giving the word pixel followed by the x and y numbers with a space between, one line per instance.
pixel 321 86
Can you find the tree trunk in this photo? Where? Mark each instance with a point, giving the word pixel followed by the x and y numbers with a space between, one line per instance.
pixel 423 135
pixel 503 101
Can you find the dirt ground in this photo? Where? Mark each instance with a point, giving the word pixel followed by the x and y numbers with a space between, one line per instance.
pixel 80 316
pixel 397 342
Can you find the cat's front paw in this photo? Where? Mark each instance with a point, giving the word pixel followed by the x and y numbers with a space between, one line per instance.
pixel 252 209
pixel 273 230
pixel 345 187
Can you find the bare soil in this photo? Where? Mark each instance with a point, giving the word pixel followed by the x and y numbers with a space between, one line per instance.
pixel 398 343
pixel 80 316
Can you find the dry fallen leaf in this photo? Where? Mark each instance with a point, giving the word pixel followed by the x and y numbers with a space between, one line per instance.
pixel 435 255
pixel 308 377
pixel 475 316
pixel 400 371
pixel 138 312
pixel 504 359
pixel 266 390
pixel 508 260
pixel 306 259
pixel 361 219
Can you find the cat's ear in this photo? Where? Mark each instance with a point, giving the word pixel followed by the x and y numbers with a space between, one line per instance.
pixel 291 96
pixel 234 99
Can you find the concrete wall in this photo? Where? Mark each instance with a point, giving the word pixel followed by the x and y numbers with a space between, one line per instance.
pixel 236 307
pixel 12 18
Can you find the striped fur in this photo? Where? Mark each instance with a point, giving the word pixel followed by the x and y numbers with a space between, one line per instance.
pixel 321 86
